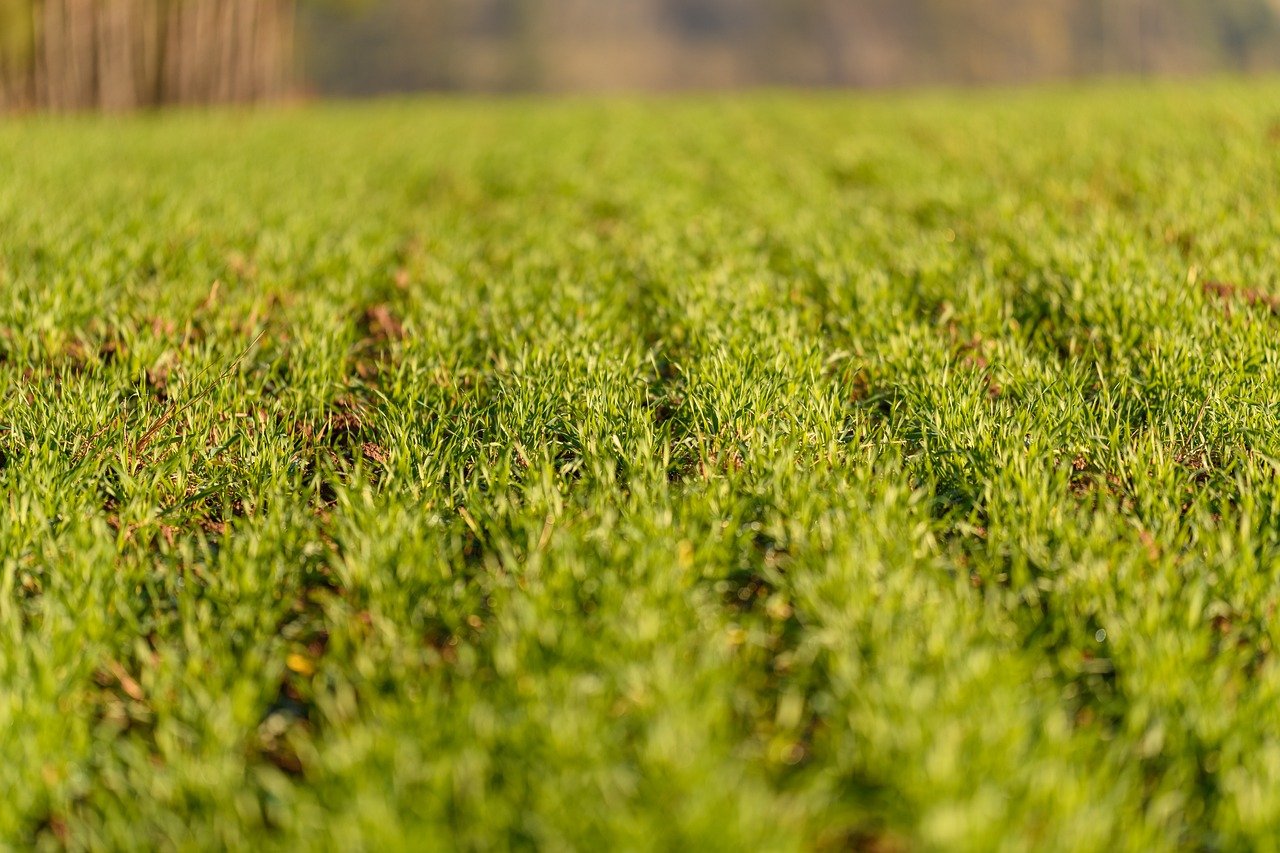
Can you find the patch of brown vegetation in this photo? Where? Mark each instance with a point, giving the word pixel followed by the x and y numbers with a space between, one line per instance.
pixel 1230 294
pixel 1150 544
pixel 1239 633
pixel 375 452
pixel 972 350
pixel 719 461
pixel 380 328
pixel 163 327
pixel 382 325
pixel 98 348
pixel 242 266
pixel 1089 483
pixel 859 387
pixel 120 700
pixel 55 825
pixel 343 419
pixel 160 374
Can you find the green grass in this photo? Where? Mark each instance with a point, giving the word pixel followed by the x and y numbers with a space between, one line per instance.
pixel 778 472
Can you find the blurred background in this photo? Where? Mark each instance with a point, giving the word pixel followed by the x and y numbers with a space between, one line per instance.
pixel 122 54
pixel 570 45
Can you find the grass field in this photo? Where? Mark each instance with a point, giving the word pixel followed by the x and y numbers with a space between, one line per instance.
pixel 779 472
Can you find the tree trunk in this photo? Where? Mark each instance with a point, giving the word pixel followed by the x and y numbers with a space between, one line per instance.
pixel 118 55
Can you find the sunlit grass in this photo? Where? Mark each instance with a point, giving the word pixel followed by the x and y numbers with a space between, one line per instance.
pixel 777 472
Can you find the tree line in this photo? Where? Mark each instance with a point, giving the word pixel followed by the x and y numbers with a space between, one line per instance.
pixel 123 54
pixel 117 55
pixel 574 44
